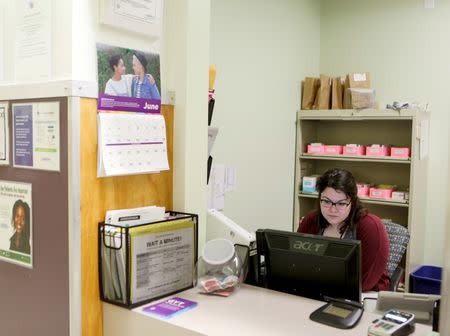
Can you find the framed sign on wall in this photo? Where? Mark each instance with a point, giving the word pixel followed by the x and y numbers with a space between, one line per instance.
pixel 139 16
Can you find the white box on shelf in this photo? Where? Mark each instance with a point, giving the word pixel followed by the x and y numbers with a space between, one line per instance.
pixel 309 183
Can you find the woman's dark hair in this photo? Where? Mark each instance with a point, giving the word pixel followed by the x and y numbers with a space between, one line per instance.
pixel 26 208
pixel 341 180
pixel 114 61
pixel 141 57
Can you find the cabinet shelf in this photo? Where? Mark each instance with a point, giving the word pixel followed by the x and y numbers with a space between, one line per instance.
pixel 364 200
pixel 385 159
pixel 364 114
pixel 368 126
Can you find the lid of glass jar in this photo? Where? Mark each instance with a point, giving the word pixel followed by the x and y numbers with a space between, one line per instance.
pixel 218 251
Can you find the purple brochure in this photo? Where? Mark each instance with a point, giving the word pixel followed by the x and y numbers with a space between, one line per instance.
pixel 170 307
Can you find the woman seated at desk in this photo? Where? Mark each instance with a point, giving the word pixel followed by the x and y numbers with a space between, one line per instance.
pixel 340 214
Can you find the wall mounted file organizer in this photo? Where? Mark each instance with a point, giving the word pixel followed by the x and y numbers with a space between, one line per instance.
pixel 142 263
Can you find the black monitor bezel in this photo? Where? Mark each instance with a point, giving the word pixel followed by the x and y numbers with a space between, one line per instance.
pixel 353 288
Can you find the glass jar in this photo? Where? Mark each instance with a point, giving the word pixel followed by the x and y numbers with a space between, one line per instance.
pixel 219 269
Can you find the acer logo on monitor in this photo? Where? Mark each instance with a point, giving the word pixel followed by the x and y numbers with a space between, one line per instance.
pixel 308 246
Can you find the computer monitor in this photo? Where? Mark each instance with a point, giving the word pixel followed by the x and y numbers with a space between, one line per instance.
pixel 309 265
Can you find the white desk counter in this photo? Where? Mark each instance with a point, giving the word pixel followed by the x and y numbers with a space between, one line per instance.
pixel 250 311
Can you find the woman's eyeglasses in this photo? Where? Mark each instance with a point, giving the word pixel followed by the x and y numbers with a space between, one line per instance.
pixel 341 205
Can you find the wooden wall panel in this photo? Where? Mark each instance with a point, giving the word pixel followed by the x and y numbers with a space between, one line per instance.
pixel 100 194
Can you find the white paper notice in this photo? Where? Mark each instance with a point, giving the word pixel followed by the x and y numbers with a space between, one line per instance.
pixel 140 10
pixel 4 134
pixel 141 16
pixel 36 136
pixel 33 41
pixel 230 179
pixel 162 262
pixel 131 143
pixel 217 187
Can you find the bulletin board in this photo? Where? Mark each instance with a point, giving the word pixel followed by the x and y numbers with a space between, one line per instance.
pixel 31 297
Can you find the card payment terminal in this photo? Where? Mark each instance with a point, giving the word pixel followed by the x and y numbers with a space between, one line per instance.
pixel 393 323
pixel 338 313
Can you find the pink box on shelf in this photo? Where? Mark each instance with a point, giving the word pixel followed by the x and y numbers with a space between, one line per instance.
pixel 380 193
pixel 315 148
pixel 333 149
pixel 378 150
pixel 352 149
pixel 363 189
pixel 400 152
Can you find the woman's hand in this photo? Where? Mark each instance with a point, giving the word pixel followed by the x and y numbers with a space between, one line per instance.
pixel 151 79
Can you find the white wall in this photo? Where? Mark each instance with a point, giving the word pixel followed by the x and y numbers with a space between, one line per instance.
pixel 445 307
pixel 61 44
pixel 405 48
pixel 87 31
pixel 184 51
pixel 262 50
pixel 187 58
pixel 8 40
pixel 75 30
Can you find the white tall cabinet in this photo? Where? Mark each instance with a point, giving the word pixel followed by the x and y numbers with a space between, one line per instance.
pixel 405 128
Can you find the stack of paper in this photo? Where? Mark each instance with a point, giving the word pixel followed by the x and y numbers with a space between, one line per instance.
pixel 135 216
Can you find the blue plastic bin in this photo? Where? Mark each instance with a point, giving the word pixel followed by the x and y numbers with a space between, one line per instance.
pixel 426 280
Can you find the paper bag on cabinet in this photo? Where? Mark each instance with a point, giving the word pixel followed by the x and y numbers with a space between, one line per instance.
pixel 310 87
pixel 323 94
pixel 336 93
